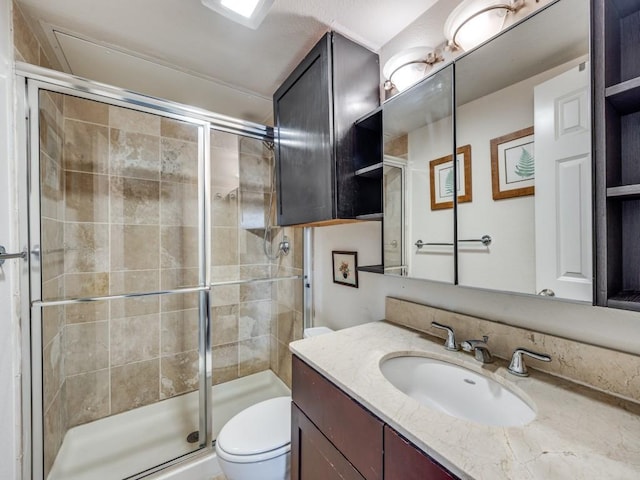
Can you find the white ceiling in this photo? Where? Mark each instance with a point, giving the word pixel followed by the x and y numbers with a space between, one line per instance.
pixel 180 50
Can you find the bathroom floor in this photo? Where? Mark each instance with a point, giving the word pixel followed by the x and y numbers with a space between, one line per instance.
pixel 122 445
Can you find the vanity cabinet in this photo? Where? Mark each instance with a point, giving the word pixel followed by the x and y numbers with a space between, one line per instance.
pixel 617 144
pixel 334 437
pixel 314 112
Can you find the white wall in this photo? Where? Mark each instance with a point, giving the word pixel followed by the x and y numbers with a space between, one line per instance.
pixel 9 330
pixel 340 307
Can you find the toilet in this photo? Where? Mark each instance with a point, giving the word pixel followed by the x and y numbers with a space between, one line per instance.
pixel 256 443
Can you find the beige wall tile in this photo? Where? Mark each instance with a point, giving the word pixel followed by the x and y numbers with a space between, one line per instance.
pixel 224 324
pixel 52 247
pixel 179 374
pixel 44 61
pixel 252 146
pixel 24 39
pixel 177 278
pixel 134 121
pixel 178 204
pixel 179 331
pixel 51 129
pixel 179 247
pixel 86 397
pixel 52 317
pixel 224 140
pixel 134 339
pixel 253 355
pixel 87 197
pixel 86 347
pixel 288 328
pixel 135 201
pixel 134 155
pixel 284 363
pixel 254 319
pixel 53 432
pixel 135 247
pixel 81 285
pixel 252 292
pixel 225 211
pixel 87 247
pixel 52 370
pixel 86 147
pixel 177 129
pixel 225 273
pixel 135 281
pixel 179 161
pixel 135 385
pixel 86 312
pixel 224 241
pixel 225 295
pixel 251 248
pixel 225 363
pixel 86 110
pixel 253 209
pixel 52 188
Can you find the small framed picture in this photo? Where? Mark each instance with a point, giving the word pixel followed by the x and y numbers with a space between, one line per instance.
pixel 345 268
pixel 513 165
pixel 442 182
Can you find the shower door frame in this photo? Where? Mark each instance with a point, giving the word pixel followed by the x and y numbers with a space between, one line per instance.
pixel 30 80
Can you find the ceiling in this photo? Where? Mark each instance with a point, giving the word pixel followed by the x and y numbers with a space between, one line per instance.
pixel 182 51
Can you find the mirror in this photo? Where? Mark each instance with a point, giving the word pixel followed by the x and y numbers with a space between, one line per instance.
pixel 418 141
pixel 523 164
pixel 522 105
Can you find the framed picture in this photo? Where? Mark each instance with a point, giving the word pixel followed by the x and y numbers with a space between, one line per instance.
pixel 513 165
pixel 443 183
pixel 345 268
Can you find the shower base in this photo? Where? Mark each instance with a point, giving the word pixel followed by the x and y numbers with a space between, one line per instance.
pixel 123 445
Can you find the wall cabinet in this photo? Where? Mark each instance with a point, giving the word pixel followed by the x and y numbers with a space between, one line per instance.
pixel 617 145
pixel 334 437
pixel 314 112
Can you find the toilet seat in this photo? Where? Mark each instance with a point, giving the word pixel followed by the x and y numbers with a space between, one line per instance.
pixel 258 433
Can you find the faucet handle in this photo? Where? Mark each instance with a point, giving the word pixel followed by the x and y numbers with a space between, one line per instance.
pixel 450 343
pixel 517 366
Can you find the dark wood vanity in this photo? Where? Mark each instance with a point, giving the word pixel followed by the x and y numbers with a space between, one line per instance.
pixel 334 437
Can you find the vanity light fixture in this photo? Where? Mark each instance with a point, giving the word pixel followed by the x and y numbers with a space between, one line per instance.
pixel 474 21
pixel 407 67
pixel 249 13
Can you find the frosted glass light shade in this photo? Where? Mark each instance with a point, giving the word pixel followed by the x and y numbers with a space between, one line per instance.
pixel 407 67
pixel 474 21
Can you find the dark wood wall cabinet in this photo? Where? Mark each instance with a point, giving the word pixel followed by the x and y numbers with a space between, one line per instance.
pixel 616 74
pixel 333 437
pixel 314 113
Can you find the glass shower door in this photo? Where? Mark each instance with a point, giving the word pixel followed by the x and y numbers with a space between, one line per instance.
pixel 119 318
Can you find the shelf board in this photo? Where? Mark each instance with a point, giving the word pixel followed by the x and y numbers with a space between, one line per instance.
pixel 625 96
pixel 371 268
pixel 370 216
pixel 372 171
pixel 624 191
pixel 627 299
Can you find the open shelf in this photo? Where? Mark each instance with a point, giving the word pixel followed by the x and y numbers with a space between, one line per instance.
pixel 372 268
pixel 370 216
pixel 627 300
pixel 372 171
pixel 625 96
pixel 624 191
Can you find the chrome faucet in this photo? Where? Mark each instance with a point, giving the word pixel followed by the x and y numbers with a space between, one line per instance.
pixel 479 348
pixel 450 342
pixel 517 366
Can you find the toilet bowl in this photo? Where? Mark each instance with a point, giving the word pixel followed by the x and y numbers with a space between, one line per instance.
pixel 315 331
pixel 256 443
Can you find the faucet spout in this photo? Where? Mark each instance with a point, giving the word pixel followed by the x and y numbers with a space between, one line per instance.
pixel 479 348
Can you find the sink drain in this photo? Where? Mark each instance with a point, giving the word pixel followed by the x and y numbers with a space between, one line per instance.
pixel 193 437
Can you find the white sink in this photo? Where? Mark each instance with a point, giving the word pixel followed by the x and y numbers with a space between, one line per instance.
pixel 456 391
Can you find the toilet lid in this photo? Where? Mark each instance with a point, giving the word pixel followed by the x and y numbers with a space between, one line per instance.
pixel 260 428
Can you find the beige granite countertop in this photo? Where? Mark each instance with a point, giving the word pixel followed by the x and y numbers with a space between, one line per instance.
pixel 578 433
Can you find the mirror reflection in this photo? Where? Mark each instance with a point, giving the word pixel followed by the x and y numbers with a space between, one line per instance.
pixel 418 141
pixel 523 164
pixel 522 104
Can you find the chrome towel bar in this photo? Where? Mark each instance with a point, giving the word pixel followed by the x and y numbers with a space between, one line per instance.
pixel 485 240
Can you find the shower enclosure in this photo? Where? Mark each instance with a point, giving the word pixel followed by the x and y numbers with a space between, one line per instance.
pixel 160 306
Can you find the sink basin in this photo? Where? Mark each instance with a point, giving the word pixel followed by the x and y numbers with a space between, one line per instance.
pixel 456 391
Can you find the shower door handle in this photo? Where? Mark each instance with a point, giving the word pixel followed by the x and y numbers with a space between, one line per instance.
pixel 8 256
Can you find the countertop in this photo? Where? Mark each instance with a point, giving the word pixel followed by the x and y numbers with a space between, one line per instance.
pixel 578 432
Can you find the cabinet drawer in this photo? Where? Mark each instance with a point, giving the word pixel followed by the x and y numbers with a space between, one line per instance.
pixel 352 429
pixel 404 461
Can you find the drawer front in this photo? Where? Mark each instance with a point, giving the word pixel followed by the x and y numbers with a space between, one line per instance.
pixel 313 457
pixel 352 429
pixel 404 461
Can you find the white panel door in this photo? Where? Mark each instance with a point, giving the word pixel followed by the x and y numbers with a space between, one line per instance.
pixel 563 202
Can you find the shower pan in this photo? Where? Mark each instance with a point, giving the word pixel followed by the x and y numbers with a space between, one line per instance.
pixel 157 311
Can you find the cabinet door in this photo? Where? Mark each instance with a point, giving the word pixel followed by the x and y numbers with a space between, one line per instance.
pixel 304 147
pixel 313 457
pixel 403 461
